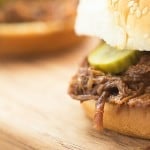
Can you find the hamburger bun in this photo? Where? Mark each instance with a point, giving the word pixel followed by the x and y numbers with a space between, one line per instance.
pixel 132 121
pixel 31 37
pixel 121 23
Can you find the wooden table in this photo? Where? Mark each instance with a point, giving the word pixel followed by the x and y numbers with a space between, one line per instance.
pixel 37 114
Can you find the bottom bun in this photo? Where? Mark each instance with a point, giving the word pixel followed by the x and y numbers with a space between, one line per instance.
pixel 132 121
pixel 36 37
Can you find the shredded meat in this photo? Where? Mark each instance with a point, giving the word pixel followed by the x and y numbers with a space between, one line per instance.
pixel 131 87
pixel 36 10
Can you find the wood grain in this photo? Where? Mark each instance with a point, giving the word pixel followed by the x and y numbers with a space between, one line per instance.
pixel 37 114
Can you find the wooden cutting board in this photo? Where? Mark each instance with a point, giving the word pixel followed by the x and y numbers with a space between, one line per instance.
pixel 37 114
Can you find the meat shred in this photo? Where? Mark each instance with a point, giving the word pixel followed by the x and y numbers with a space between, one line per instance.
pixel 131 87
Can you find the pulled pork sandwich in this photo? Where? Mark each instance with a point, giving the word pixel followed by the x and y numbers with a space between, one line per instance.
pixel 28 26
pixel 113 82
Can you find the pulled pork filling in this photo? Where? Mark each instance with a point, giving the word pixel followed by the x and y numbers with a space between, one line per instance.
pixel 36 10
pixel 131 87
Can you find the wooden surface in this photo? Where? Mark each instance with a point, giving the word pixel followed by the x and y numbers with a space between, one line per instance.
pixel 37 114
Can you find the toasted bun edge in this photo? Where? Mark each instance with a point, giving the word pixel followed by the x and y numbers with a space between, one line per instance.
pixel 132 121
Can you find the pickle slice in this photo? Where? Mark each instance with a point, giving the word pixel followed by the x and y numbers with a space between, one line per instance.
pixel 112 60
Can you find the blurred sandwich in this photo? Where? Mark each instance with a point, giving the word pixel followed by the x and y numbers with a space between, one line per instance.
pixel 29 26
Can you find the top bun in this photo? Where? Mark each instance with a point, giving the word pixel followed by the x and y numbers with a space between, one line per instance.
pixel 121 23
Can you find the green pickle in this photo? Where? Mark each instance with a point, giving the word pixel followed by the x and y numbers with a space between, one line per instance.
pixel 112 60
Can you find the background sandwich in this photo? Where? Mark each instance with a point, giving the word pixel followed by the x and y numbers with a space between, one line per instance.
pixel 29 26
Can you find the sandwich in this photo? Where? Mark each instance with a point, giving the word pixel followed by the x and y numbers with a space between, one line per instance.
pixel 29 26
pixel 113 81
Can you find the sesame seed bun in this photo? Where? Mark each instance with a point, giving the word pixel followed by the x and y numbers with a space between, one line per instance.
pixel 123 119
pixel 121 23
